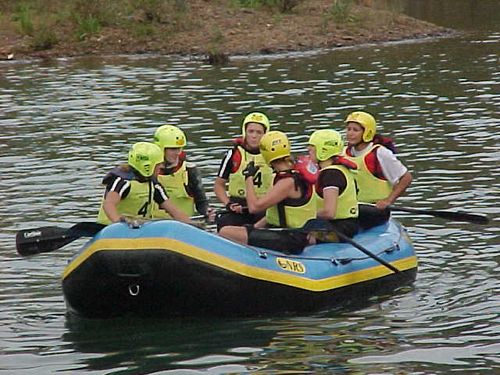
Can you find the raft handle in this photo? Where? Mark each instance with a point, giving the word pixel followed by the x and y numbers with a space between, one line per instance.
pixel 395 246
pixel 134 290
pixel 263 254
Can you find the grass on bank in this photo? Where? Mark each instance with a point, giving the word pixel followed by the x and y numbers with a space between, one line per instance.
pixel 44 24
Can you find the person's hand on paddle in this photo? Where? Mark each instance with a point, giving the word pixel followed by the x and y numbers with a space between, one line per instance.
pixel 210 215
pixel 131 222
pixel 383 204
pixel 251 170
pixel 235 207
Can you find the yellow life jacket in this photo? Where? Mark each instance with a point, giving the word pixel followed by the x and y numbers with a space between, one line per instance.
pixel 175 185
pixel 293 213
pixel 371 188
pixel 137 204
pixel 347 203
pixel 262 180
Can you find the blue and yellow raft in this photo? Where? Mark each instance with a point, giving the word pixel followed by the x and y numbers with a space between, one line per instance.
pixel 167 268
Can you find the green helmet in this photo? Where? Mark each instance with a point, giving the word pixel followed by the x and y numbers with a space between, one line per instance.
pixel 257 117
pixel 169 136
pixel 367 121
pixel 328 143
pixel 144 156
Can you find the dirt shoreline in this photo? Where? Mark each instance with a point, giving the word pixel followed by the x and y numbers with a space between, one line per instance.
pixel 214 29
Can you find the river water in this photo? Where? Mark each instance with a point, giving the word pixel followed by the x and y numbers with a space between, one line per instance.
pixel 65 122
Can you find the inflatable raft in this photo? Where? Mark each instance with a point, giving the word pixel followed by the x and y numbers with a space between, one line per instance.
pixel 167 268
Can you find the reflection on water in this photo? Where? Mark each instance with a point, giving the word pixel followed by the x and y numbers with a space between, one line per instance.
pixel 65 122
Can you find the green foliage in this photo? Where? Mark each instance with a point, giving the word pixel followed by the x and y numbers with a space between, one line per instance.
pixel 44 38
pixel 87 26
pixel 105 13
pixel 216 39
pixel 215 55
pixel 144 30
pixel 25 20
pixel 341 11
pixel 283 6
pixel 160 11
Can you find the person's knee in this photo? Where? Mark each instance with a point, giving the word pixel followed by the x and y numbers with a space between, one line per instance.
pixel 225 231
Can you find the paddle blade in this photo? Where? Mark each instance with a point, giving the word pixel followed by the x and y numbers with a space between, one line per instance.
pixel 45 239
pixel 461 216
pixel 41 240
pixel 449 215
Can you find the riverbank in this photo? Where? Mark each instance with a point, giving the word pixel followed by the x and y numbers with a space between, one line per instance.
pixel 211 28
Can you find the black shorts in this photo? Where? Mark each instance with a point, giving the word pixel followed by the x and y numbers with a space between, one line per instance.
pixel 370 216
pixel 348 227
pixel 284 240
pixel 232 218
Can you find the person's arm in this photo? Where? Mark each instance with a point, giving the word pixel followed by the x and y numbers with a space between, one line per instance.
pixel 397 190
pixel 396 173
pixel 195 186
pixel 176 214
pixel 276 194
pixel 110 206
pixel 117 189
pixel 223 177
pixel 220 190
pixel 330 198
pixel 161 198
pixel 332 183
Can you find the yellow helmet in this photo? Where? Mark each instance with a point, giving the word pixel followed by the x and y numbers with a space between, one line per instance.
pixel 327 142
pixel 144 156
pixel 274 145
pixel 257 117
pixel 169 136
pixel 367 121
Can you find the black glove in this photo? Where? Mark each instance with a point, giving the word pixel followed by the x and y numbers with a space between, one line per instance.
pixel 250 170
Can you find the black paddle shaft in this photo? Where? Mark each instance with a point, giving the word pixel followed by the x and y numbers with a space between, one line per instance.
pixel 320 225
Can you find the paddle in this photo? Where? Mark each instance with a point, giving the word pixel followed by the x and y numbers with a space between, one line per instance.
pixel 46 239
pixel 457 215
pixel 322 225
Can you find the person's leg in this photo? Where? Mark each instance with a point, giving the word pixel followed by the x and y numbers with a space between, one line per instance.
pixel 348 227
pixel 284 241
pixel 370 216
pixel 235 233
pixel 231 218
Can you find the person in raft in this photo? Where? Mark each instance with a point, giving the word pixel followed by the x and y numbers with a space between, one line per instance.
pixel 289 203
pixel 335 187
pixel 245 150
pixel 180 178
pixel 131 188
pixel 381 177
